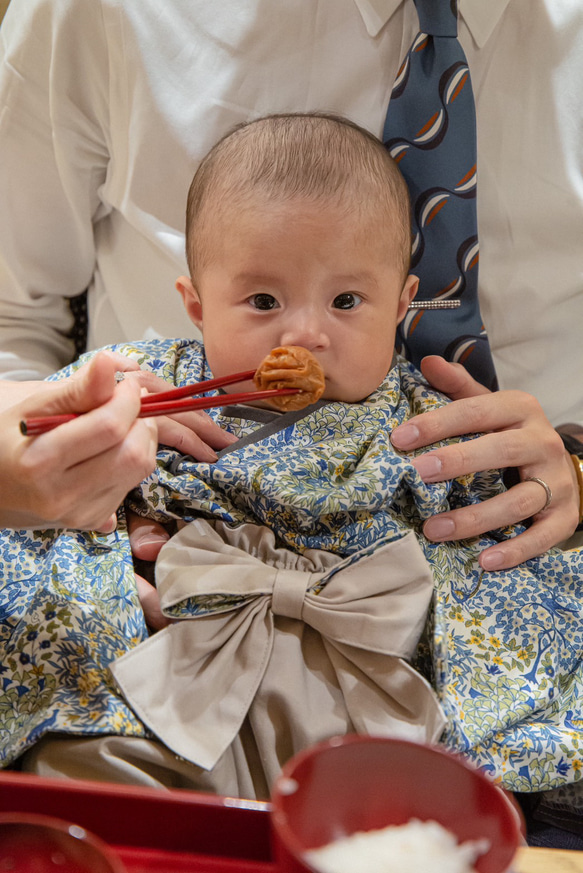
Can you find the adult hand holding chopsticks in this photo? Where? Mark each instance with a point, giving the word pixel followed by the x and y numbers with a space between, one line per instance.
pixel 78 475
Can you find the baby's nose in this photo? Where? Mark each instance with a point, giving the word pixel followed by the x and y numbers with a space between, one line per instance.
pixel 306 332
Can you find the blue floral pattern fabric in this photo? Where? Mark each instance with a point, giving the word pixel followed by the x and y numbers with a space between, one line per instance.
pixel 503 650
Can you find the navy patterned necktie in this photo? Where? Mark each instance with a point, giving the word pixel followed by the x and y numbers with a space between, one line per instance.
pixel 430 130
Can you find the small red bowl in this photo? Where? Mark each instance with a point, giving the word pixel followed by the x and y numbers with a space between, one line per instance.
pixel 358 783
pixel 32 843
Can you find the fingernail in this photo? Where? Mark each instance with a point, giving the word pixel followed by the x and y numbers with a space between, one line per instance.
pixel 407 435
pixel 428 466
pixel 153 539
pixel 438 528
pixel 492 560
pixel 153 534
pixel 205 454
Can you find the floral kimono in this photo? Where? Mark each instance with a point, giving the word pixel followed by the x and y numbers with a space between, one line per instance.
pixel 307 603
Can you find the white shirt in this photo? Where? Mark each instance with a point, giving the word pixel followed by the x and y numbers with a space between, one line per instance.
pixel 107 106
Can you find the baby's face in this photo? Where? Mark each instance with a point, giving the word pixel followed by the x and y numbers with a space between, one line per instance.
pixel 300 273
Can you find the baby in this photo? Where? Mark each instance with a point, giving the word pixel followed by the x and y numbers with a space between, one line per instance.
pixel 306 600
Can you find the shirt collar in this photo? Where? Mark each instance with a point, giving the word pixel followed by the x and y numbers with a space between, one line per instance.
pixel 481 16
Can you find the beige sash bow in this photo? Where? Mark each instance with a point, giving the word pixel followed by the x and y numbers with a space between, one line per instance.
pixel 298 663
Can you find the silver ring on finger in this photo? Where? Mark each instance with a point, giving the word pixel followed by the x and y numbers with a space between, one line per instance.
pixel 119 376
pixel 548 492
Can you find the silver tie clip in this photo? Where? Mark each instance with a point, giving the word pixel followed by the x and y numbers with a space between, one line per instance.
pixel 434 304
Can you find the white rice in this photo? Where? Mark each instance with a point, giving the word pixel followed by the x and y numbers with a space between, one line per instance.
pixel 416 847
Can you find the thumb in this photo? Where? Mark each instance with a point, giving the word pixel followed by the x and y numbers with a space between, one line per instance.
pixel 92 386
pixel 94 383
pixel 450 378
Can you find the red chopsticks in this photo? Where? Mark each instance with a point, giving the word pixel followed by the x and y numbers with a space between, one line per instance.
pixel 198 387
pixel 171 402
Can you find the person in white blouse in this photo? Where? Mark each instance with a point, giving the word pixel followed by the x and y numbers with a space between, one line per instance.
pixel 107 106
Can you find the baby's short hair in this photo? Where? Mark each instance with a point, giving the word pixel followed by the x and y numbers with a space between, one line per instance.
pixel 318 156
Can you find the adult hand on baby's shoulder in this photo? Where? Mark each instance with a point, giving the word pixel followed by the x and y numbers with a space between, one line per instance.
pixel 514 432
pixel 191 433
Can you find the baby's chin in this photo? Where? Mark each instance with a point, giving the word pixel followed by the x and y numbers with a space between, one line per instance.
pixel 331 396
pixel 341 394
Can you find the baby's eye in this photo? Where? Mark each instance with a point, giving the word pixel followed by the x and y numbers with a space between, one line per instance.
pixel 264 302
pixel 347 301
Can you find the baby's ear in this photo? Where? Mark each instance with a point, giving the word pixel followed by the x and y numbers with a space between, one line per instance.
pixel 407 294
pixel 191 299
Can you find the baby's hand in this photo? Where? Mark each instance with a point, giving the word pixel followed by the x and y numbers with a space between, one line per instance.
pixel 190 433
pixel 150 603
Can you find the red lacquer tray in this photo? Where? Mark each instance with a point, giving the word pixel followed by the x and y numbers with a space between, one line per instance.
pixel 151 830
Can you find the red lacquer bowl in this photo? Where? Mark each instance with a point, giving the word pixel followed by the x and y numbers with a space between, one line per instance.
pixel 42 844
pixel 357 783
